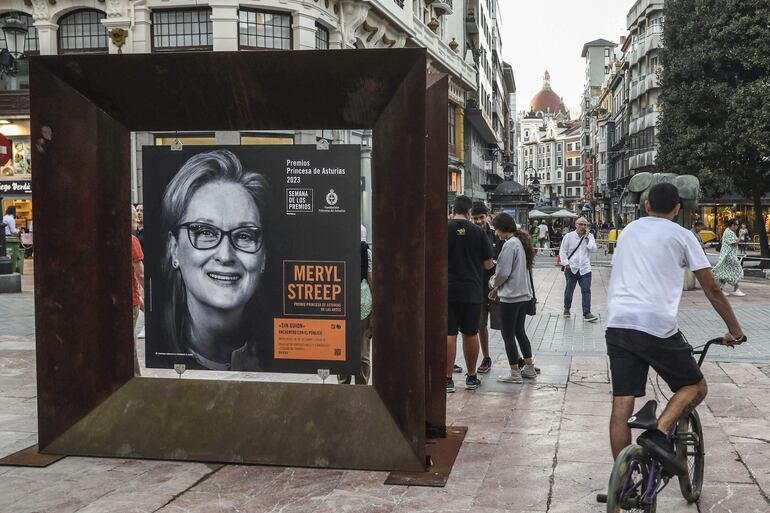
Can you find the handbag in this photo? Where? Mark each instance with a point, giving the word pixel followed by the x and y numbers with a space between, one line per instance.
pixel 532 306
pixel 495 315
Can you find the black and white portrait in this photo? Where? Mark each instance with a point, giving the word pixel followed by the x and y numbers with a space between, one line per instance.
pixel 221 226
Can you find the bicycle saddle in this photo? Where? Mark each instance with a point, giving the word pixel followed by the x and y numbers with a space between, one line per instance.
pixel 646 418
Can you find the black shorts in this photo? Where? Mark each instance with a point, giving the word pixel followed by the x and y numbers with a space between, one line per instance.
pixel 633 352
pixel 463 317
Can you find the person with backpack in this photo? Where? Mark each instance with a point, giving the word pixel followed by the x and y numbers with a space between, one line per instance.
pixel 362 378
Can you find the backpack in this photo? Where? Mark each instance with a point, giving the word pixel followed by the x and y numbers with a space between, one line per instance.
pixel 364 260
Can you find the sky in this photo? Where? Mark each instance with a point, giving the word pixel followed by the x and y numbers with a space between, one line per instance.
pixel 549 34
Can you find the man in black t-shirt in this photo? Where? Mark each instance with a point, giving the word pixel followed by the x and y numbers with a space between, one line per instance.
pixel 470 253
pixel 480 215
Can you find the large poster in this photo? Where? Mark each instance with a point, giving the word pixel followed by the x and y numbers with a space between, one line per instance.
pixel 253 258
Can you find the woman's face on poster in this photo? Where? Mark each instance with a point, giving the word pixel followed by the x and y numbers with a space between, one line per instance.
pixel 224 270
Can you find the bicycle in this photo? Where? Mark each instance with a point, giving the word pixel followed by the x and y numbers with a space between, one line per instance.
pixel 638 477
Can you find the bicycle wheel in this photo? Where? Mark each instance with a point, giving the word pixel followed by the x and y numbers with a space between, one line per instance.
pixel 690 449
pixel 628 482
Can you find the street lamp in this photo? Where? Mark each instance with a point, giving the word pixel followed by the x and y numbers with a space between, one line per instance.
pixel 534 183
pixel 15 31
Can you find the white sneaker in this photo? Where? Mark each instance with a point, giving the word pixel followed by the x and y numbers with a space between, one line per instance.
pixel 513 377
pixel 725 293
pixel 739 293
pixel 529 372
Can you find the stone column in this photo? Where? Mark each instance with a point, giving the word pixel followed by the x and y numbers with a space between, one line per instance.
pixel 224 21
pixel 46 33
pixel 140 40
pixel 460 133
pixel 303 30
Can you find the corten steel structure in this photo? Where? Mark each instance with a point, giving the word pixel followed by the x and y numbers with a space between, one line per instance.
pixel 89 401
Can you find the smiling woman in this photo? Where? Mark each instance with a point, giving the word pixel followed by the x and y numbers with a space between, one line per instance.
pixel 213 219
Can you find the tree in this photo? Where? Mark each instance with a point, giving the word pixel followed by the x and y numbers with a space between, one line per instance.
pixel 715 96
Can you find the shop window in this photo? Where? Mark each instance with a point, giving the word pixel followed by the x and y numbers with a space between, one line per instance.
pixel 263 29
pixel 82 32
pixel 31 43
pixel 321 37
pixel 182 29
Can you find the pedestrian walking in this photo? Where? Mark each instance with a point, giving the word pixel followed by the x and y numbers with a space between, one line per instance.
pixel 480 215
pixel 512 286
pixel 470 253
pixel 575 256
pixel 543 232
pixel 743 238
pixel 139 233
pixel 365 331
pixel 729 270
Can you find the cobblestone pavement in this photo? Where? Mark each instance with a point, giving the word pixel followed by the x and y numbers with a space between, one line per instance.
pixel 534 448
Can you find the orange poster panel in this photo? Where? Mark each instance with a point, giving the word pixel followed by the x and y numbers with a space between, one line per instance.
pixel 309 339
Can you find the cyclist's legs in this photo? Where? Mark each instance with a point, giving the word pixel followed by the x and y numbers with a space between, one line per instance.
pixel 620 433
pixel 685 399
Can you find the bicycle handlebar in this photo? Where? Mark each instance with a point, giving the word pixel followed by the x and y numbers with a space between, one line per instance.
pixel 718 341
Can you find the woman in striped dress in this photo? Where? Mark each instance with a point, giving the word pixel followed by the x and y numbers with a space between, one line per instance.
pixel 728 269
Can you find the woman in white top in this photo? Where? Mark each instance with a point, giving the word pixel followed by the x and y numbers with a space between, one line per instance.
pixel 10 221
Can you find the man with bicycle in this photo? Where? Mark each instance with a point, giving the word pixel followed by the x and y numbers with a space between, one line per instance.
pixel 642 331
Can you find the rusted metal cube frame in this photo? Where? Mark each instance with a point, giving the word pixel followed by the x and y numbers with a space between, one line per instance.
pixel 83 109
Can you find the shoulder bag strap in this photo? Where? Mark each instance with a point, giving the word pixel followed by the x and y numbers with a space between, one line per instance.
pixel 576 247
pixel 532 285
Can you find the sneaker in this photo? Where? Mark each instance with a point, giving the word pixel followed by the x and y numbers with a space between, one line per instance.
pixel 486 364
pixel 522 363
pixel 529 372
pixel 566 312
pixel 450 386
pixel 589 317
pixel 472 383
pixel 513 377
pixel 725 293
pixel 457 369
pixel 739 293
pixel 663 449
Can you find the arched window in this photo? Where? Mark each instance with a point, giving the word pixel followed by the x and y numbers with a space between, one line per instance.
pixel 82 32
pixel 31 43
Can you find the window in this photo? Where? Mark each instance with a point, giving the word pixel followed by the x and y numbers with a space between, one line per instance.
pixel 558 190
pixel 569 191
pixel 263 29
pixel 182 29
pixel 321 37
pixel 606 70
pixel 577 161
pixel 558 161
pixel 82 32
pixel 606 52
pixel 451 131
pixel 558 148
pixel 31 43
pixel 558 175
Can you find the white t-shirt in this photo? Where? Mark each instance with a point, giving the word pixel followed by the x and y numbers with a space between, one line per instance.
pixel 647 275
pixel 542 231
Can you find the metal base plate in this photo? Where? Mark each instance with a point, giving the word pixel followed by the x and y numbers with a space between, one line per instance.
pixel 30 457
pixel 442 453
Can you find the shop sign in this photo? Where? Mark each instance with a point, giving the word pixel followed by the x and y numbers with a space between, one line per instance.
pixel 259 268
pixel 588 178
pixel 15 186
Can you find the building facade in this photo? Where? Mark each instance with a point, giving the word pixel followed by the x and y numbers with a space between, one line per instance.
pixel 147 26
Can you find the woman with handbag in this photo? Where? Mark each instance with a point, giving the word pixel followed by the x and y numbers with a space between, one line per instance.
pixel 511 285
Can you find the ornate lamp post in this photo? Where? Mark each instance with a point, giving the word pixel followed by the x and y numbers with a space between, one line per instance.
pixel 15 31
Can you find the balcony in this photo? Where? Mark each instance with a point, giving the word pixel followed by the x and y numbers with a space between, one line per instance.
pixel 471 22
pixel 442 7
